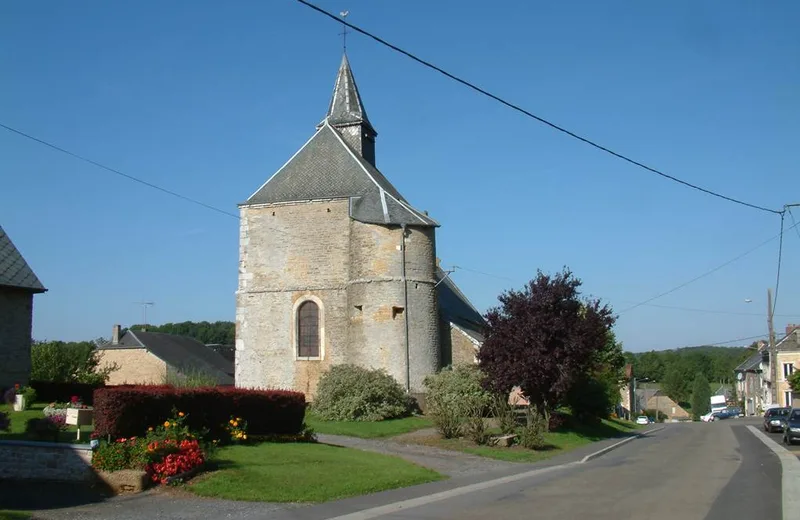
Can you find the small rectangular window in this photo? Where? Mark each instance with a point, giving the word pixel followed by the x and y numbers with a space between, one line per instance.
pixel 788 397
pixel 788 370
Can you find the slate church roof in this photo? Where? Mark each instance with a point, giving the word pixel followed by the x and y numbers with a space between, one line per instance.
pixel 327 167
pixel 457 309
pixel 14 270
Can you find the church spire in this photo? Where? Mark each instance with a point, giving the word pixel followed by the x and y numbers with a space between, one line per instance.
pixel 346 113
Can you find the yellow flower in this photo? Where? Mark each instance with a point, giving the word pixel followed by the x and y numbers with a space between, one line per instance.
pixel 244 437
pixel 173 425
pixel 180 414
pixel 166 424
pixel 215 441
pixel 231 421
pixel 150 429
pixel 238 418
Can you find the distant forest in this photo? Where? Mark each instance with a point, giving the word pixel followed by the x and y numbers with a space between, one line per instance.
pixel 676 369
pixel 222 332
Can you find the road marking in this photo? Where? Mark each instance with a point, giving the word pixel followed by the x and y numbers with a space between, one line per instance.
pixel 375 512
pixel 605 450
pixel 790 481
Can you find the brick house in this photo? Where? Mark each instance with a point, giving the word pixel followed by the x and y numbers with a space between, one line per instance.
pixel 18 284
pixel 336 266
pixel 147 357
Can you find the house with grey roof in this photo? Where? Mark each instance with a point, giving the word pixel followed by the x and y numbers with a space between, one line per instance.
pixel 143 357
pixel 336 266
pixel 18 284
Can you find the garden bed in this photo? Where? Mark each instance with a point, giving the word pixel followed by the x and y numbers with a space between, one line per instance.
pixel 304 472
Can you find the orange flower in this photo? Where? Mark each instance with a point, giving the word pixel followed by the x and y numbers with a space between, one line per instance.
pixel 166 424
pixel 235 424
pixel 180 414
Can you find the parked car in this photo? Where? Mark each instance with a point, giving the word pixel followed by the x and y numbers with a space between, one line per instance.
pixel 735 411
pixel 791 430
pixel 642 419
pixel 709 417
pixel 775 419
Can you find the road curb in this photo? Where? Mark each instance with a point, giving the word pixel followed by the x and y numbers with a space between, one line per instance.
pixel 790 471
pixel 600 453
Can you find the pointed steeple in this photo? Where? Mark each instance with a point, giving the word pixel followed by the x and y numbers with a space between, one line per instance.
pixel 346 113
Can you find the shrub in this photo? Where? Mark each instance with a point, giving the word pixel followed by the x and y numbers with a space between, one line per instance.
pixel 593 396
pixel 10 395
pixel 45 428
pixel 49 391
pixel 474 427
pixel 531 435
pixel 189 378
pixel 5 422
pixel 505 413
pixel 124 411
pixel 453 395
pixel 354 393
pixel 652 414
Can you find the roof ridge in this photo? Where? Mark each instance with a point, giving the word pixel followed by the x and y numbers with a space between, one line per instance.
pixel 287 162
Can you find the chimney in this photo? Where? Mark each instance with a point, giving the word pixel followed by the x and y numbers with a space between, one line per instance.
pixel 115 334
pixel 791 328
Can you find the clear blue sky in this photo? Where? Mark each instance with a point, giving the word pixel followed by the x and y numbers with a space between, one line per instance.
pixel 210 98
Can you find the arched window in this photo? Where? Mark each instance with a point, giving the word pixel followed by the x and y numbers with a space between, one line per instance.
pixel 308 330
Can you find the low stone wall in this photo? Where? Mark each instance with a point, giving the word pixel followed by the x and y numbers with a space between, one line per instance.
pixel 45 461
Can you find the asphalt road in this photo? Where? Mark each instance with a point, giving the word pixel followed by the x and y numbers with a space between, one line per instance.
pixel 710 471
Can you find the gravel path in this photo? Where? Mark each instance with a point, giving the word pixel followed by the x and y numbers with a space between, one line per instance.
pixel 446 462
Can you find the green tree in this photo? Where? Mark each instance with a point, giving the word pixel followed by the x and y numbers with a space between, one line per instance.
pixel 794 381
pixel 701 396
pixel 61 362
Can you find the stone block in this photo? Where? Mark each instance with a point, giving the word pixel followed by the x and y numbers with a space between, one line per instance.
pixel 125 480
pixel 504 441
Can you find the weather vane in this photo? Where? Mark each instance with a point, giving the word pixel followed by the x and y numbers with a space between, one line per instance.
pixel 344 14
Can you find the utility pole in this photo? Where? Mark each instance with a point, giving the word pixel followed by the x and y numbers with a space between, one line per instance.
pixel 773 351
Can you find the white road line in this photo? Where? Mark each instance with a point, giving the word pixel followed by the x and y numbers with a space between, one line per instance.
pixel 790 466
pixel 375 512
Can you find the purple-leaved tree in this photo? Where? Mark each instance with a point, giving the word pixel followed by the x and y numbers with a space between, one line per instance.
pixel 543 339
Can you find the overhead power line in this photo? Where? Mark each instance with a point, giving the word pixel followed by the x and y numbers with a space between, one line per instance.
pixel 789 209
pixel 778 276
pixel 117 172
pixel 532 115
pixel 707 273
pixel 716 311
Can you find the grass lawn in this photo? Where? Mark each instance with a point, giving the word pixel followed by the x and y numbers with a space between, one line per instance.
pixel 368 430
pixel 5 514
pixel 556 442
pixel 304 472
pixel 20 419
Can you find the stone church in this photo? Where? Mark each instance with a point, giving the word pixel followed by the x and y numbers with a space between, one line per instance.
pixel 336 266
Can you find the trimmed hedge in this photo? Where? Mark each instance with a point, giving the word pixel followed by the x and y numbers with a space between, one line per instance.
pixel 48 391
pixel 128 410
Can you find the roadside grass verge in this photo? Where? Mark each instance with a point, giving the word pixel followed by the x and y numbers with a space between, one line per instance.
pixel 556 442
pixel 367 429
pixel 20 419
pixel 6 514
pixel 304 472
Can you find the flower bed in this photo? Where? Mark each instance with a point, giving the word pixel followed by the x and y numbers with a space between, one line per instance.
pixel 168 452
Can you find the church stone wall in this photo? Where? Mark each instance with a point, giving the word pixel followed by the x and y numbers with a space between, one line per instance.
pixel 290 252
pixel 377 307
